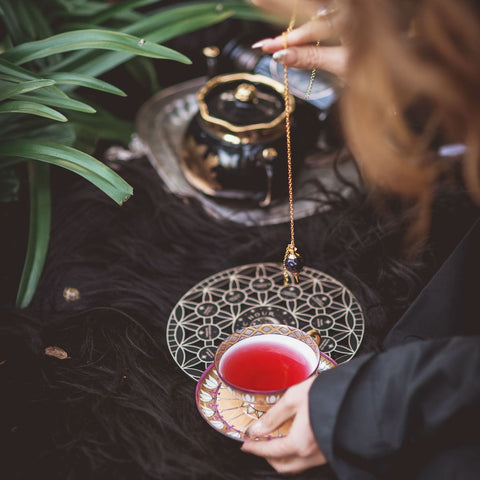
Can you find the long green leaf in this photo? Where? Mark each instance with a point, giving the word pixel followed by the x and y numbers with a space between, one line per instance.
pixel 18 88
pixel 17 106
pixel 14 72
pixel 71 159
pixel 37 17
pixel 173 24
pixel 114 10
pixel 38 233
pixel 25 20
pixel 11 19
pixel 36 127
pixel 168 16
pixel 9 184
pixel 62 133
pixel 93 39
pixel 79 80
pixel 58 102
pixel 202 15
pixel 101 125
pixel 81 8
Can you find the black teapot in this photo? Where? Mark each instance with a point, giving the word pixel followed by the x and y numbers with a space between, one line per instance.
pixel 235 146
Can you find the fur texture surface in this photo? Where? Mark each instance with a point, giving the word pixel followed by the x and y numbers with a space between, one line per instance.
pixel 118 407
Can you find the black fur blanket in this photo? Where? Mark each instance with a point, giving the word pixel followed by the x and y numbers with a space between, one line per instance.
pixel 118 407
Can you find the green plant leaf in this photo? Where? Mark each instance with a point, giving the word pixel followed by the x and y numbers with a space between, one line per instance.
pixel 114 10
pixel 35 128
pixel 158 27
pixel 25 20
pixel 144 73
pixel 79 80
pixel 38 232
pixel 81 8
pixel 37 18
pixel 13 72
pixel 247 11
pixel 18 106
pixel 10 17
pixel 18 88
pixel 162 19
pixel 90 39
pixel 9 184
pixel 58 102
pixel 71 159
pixel 101 125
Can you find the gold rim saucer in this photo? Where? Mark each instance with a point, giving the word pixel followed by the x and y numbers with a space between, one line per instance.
pixel 228 414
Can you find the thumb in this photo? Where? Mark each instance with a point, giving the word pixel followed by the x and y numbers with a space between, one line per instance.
pixel 272 419
pixel 332 59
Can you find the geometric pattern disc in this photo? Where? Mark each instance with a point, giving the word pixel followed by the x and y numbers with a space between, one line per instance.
pixel 253 294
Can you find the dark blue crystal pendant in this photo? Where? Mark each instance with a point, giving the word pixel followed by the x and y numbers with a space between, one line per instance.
pixel 292 264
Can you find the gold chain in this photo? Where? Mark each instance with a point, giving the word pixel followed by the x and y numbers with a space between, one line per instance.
pixel 312 77
pixel 292 258
pixel 292 261
pixel 286 94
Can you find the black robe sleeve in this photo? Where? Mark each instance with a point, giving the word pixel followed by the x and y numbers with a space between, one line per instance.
pixel 413 410
pixel 388 415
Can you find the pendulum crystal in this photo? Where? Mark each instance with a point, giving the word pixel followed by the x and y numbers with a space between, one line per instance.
pixel 293 263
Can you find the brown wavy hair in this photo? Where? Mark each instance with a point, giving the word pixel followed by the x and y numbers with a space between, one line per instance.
pixel 413 84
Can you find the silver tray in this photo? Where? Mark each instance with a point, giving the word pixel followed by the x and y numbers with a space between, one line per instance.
pixel 161 123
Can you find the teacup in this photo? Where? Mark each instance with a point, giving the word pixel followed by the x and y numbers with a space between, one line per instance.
pixel 258 363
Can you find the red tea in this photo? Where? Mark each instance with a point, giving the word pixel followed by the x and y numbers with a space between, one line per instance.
pixel 266 364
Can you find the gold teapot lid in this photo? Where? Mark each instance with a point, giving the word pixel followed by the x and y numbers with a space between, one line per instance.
pixel 242 103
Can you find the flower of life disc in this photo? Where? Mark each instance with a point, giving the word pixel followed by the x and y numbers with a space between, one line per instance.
pixel 253 294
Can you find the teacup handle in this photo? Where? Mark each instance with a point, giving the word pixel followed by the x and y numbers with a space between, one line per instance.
pixel 315 335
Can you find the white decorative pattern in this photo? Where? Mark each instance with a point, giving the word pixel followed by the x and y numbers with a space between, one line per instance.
pixel 252 294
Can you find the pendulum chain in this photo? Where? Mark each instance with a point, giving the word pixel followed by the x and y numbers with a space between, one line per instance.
pixel 292 262
pixel 312 77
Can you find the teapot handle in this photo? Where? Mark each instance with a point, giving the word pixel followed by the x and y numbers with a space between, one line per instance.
pixel 268 155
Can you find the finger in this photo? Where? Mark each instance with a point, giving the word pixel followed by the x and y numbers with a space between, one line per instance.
pixel 284 9
pixel 297 464
pixel 332 59
pixel 276 448
pixel 310 32
pixel 274 418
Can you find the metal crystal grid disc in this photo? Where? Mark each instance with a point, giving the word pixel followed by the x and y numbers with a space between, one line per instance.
pixel 253 294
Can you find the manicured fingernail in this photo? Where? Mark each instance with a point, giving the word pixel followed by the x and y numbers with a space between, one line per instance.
pixel 260 43
pixel 280 56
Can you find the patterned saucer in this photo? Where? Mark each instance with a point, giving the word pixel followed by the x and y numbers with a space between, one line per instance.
pixel 252 294
pixel 229 415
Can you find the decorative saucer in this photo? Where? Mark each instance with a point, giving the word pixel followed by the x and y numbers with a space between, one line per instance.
pixel 253 294
pixel 228 414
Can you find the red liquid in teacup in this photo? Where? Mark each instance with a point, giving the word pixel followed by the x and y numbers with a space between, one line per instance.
pixel 267 363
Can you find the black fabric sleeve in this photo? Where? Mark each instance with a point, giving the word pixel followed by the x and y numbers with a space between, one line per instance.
pixel 448 305
pixel 385 416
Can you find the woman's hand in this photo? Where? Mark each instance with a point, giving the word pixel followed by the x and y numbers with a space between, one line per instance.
pixel 297 451
pixel 303 50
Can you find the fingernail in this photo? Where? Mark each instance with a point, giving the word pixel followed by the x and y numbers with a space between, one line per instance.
pixel 280 56
pixel 260 43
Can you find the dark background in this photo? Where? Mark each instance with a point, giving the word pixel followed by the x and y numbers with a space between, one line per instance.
pixel 119 407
